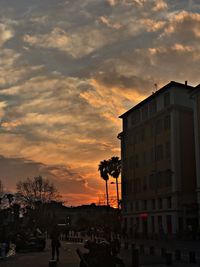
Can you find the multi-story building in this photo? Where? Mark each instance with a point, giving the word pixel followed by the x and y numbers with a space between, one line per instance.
pixel 158 163
pixel 196 97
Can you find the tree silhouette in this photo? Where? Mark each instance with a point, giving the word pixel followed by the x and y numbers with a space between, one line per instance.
pixel 37 189
pixel 103 169
pixel 114 170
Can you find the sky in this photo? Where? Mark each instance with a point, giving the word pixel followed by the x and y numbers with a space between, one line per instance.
pixel 68 69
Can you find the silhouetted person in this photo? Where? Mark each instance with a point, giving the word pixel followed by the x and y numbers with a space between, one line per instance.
pixel 55 242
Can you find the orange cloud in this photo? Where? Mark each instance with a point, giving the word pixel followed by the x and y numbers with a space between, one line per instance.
pixel 153 25
pixel 184 21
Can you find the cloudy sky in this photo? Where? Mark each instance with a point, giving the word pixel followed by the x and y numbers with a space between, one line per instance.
pixel 68 69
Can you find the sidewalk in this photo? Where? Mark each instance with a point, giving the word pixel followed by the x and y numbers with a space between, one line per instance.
pixel 11 253
pixel 152 261
pixel 183 245
pixel 156 260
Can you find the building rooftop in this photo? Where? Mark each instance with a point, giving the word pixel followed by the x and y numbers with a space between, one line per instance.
pixel 158 92
pixel 196 90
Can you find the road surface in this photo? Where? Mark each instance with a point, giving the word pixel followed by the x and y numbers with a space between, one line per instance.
pixel 68 257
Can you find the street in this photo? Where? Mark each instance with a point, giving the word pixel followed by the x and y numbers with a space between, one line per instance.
pixel 68 257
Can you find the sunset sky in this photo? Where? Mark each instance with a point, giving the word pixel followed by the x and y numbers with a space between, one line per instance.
pixel 68 69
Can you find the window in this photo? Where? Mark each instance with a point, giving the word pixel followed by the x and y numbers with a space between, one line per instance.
pixel 159 152
pixel 144 204
pixel 131 206
pixel 137 222
pixel 152 129
pixel 134 186
pixel 145 184
pixel 152 181
pixel 125 207
pixel 169 223
pixel 159 180
pixel 167 122
pixel 125 123
pixel 137 185
pixel 144 160
pixel 131 221
pixel 145 112
pixel 153 204
pixel 143 135
pixel 168 178
pixel 160 222
pixel 132 138
pixel 167 150
pixel 125 223
pixel 166 99
pixel 159 126
pixel 135 118
pixel 152 107
pixel 160 203
pixel 137 161
pixel 169 202
pixel 131 162
pixel 152 155
pixel 136 205
pixel 123 188
pixel 152 224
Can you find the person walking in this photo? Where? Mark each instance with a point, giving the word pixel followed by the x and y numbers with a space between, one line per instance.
pixel 55 242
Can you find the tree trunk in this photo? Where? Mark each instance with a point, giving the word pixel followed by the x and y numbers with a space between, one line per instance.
pixel 117 189
pixel 107 192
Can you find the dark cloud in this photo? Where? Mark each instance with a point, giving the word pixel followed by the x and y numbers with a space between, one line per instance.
pixel 113 78
pixel 15 169
pixel 64 178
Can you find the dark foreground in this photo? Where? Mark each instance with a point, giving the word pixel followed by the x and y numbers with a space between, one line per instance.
pixel 68 257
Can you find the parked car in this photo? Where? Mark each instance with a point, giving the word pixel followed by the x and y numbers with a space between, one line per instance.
pixel 30 242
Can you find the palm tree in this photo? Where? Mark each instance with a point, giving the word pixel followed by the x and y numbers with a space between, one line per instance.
pixel 103 169
pixel 114 171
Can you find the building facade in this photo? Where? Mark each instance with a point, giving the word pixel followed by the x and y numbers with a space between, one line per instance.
pixel 158 163
pixel 196 101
